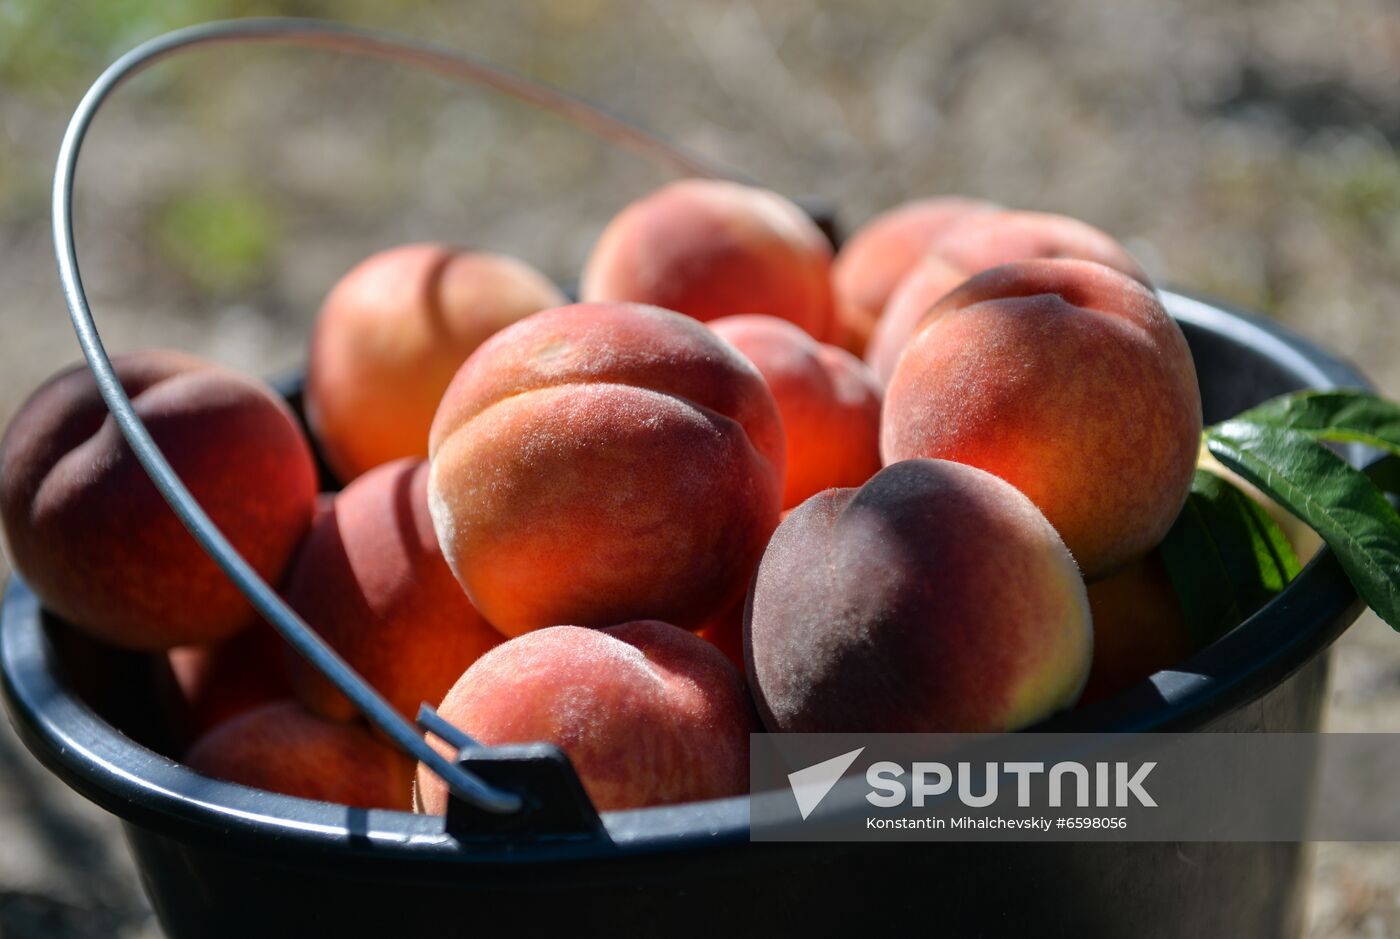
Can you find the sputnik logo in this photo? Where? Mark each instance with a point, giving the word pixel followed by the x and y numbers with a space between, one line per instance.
pixel 811 785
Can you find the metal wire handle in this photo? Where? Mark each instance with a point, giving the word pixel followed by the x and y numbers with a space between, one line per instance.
pixel 373 44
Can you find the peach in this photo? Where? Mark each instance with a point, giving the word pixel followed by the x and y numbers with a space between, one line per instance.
pixel 972 244
pixel 391 335
pixel 927 283
pixel 91 534
pixel 371 579
pixel 214 683
pixel 827 398
pixel 990 239
pixel 1068 380
pixel 1139 628
pixel 935 598
pixel 284 748
pixel 708 248
pixel 605 462
pixel 725 631
pixel 882 252
pixel 649 714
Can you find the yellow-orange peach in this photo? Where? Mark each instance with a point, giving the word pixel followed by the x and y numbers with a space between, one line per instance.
pixel 935 598
pixel 882 252
pixel 391 335
pixel 708 248
pixel 284 748
pixel 90 533
pixel 599 463
pixel 1070 381
pixel 371 579
pixel 649 714
pixel 827 398
pixel 1139 628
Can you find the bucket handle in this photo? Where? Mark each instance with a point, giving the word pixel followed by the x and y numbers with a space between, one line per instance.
pixel 487 799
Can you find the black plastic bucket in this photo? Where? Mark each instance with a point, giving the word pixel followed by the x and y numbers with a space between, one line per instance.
pixel 219 859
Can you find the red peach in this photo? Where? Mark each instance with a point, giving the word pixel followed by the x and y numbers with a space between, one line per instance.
pixel 214 683
pixel 599 463
pixel 283 748
pixel 708 248
pixel 1139 628
pixel 990 239
pixel 935 598
pixel 882 252
pixel 827 398
pixel 371 579
pixel 928 282
pixel 1068 380
pixel 649 714
pixel 93 537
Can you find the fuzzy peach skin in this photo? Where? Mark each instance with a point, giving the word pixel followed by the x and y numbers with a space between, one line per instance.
pixel 882 252
pixel 1068 380
pixel 284 748
pixel 828 400
pixel 391 335
pixel 1139 628
pixel 708 248
pixel 935 598
pixel 972 244
pixel 928 282
pixel 93 537
pixel 990 239
pixel 648 713
pixel 213 683
pixel 371 579
pixel 605 462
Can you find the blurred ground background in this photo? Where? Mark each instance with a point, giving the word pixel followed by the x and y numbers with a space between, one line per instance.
pixel 1246 150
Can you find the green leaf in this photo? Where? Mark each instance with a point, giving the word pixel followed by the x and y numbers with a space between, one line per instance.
pixel 1225 557
pixel 1340 416
pixel 1337 500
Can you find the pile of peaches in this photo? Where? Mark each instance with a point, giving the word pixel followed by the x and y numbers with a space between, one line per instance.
pixel 644 525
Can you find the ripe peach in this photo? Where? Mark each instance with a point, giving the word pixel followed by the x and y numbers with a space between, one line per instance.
pixel 935 598
pixel 708 248
pixel 283 748
pixel 96 541
pixel 1068 380
pixel 1139 628
pixel 927 283
pixel 989 239
pixel 604 462
pixel 391 335
pixel 648 713
pixel 214 683
pixel 827 398
pixel 725 631
pixel 877 257
pixel 371 579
